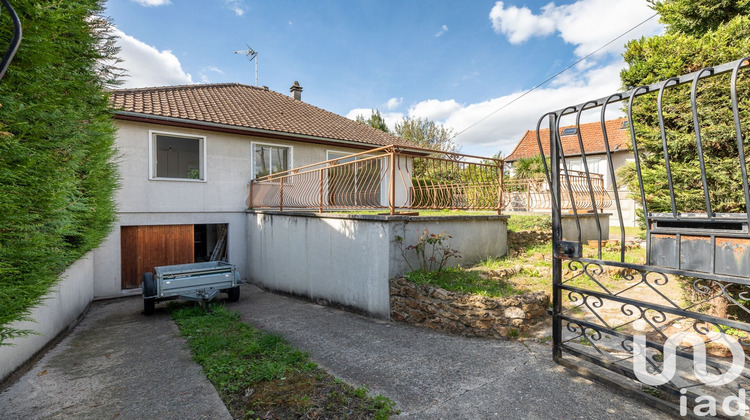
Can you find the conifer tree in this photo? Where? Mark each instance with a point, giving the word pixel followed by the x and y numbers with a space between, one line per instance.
pixel 57 175
pixel 376 120
pixel 699 34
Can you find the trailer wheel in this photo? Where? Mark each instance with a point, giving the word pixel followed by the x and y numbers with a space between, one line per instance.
pixel 149 293
pixel 234 294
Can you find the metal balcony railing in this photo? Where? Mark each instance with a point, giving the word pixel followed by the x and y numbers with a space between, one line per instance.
pixel 385 178
pixel 533 194
pixel 398 179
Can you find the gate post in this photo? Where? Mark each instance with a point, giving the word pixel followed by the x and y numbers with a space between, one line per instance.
pixel 556 238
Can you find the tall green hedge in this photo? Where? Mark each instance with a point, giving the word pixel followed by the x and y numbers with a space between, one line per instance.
pixel 57 175
pixel 698 35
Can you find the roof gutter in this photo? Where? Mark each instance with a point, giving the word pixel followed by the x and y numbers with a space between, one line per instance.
pixel 233 129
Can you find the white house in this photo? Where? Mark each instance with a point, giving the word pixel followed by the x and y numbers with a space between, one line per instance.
pixel 595 151
pixel 186 156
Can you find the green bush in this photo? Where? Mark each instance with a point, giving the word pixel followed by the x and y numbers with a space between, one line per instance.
pixel 57 176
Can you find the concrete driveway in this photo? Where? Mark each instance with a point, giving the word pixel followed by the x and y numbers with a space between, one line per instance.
pixel 116 364
pixel 431 375
pixel 120 364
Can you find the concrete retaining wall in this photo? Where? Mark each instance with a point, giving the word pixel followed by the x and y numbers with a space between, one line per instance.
pixel 589 231
pixel 349 259
pixel 61 307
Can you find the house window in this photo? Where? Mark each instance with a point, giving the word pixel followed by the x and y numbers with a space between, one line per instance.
pixel 177 157
pixel 569 131
pixel 269 159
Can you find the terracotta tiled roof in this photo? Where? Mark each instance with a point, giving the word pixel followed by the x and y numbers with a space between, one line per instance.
pixel 246 107
pixel 591 134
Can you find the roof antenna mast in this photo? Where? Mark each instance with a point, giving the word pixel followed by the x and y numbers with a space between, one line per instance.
pixel 251 55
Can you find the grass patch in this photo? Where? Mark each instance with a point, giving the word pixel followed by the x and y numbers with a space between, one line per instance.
pixel 535 263
pixel 258 375
pixel 458 280
pixel 538 255
pixel 517 223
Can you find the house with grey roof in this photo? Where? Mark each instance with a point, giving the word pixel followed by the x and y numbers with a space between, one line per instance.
pixel 186 155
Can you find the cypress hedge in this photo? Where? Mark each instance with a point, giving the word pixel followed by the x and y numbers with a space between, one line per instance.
pixel 698 35
pixel 57 170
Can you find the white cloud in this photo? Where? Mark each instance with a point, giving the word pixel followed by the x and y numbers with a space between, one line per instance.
pixel 434 109
pixel 502 130
pixel 519 24
pixel 497 124
pixel 587 24
pixel 393 103
pixel 237 6
pixel 147 66
pixel 150 3
pixel 443 29
pixel 210 69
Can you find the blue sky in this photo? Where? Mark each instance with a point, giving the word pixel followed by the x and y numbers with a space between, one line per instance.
pixel 453 62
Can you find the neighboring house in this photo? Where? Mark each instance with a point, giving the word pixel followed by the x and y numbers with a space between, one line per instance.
pixel 618 136
pixel 186 156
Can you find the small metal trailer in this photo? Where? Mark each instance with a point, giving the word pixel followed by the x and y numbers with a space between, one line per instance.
pixel 197 281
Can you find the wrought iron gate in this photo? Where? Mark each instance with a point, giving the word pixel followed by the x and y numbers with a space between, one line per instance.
pixel 616 313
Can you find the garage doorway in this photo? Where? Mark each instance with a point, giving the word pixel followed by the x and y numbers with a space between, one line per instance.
pixel 144 247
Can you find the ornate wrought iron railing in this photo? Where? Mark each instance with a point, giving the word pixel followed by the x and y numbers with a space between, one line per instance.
pixel 534 194
pixel 385 178
pixel 15 41
pixel 396 179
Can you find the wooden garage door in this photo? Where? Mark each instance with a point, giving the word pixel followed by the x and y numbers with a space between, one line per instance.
pixel 145 247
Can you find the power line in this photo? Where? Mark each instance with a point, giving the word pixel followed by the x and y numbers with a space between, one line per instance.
pixel 553 76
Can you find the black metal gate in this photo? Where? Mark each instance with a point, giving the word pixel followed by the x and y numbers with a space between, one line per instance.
pixel 665 316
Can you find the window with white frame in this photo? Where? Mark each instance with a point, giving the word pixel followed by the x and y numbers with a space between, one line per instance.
pixel 177 157
pixel 269 159
pixel 595 164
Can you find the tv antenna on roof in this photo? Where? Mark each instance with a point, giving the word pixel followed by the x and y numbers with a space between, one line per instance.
pixel 251 55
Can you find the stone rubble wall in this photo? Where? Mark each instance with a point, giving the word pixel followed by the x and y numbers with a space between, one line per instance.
pixel 467 315
pixel 525 238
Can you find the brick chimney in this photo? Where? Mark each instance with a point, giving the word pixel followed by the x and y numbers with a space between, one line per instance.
pixel 296 90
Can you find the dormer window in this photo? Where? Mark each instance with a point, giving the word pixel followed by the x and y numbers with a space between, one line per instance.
pixel 624 125
pixel 570 131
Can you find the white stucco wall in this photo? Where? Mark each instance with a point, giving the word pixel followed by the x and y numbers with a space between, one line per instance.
pixel 348 259
pixel 218 199
pixel 475 237
pixel 60 308
pixel 228 171
pixel 588 227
